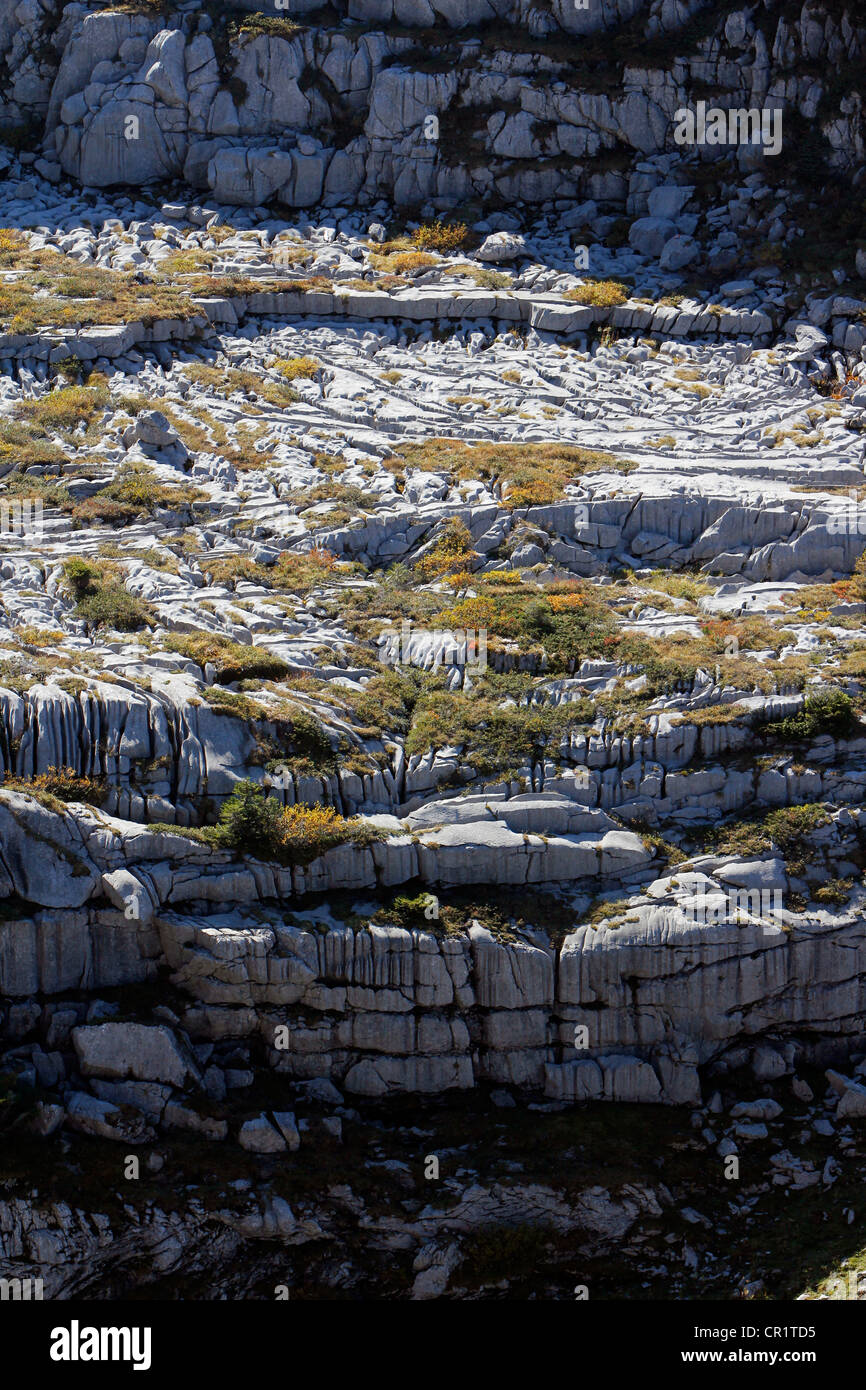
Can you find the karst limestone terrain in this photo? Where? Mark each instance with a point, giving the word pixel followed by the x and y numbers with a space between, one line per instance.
pixel 432 652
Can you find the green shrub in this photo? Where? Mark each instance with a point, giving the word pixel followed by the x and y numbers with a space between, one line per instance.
pixel 835 892
pixel 254 25
pixel 101 598
pixel 229 702
pixel 252 823
pixel 115 607
pixel 494 737
pixel 101 510
pixel 309 739
pixel 138 485
pixel 81 577
pixel 409 912
pixel 829 713
pixel 538 619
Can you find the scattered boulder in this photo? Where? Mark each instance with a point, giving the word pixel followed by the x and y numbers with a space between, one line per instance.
pixel 852 1096
pixel 259 1136
pixel 501 246
pixel 144 1052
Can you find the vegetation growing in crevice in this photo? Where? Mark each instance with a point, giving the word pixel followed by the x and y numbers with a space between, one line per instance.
pixel 102 599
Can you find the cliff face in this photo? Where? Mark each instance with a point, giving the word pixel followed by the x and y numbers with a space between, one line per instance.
pixel 704 966
pixel 488 101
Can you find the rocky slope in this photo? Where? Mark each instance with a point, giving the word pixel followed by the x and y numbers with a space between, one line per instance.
pixel 431 655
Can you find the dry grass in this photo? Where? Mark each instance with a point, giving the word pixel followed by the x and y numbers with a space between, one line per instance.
pixel 73 295
pixel 402 262
pixel 295 574
pixel 64 408
pixel 229 380
pixel 692 388
pixel 231 661
pixel 678 585
pixel 46 288
pixel 485 279
pixel 294 367
pixel 600 294
pixel 134 490
pixel 25 446
pixel 802 438
pixel 530 474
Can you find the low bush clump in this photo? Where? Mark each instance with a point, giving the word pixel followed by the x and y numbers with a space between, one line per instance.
pixel 309 740
pixel 829 713
pixel 402 262
pixel 495 737
pixel 293 368
pixel 230 702
pixel 440 236
pixel 114 607
pixel 252 823
pixel 232 661
pixel 600 294
pixel 835 892
pixel 496 1252
pixel 786 829
pixel 451 554
pixel 254 25
pixel 58 785
pixel 409 912
pixel 101 598
pixel 669 664
pixel 568 620
pixel 136 489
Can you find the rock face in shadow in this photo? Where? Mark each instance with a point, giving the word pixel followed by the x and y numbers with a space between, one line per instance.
pixel 519 102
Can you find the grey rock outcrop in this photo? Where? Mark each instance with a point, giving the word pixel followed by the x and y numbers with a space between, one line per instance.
pixel 129 97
